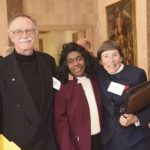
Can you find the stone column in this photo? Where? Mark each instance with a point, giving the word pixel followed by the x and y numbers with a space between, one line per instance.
pixel 14 7
pixel 148 35
pixel 3 25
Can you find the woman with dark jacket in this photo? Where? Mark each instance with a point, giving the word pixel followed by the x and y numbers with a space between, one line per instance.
pixel 78 102
pixel 120 131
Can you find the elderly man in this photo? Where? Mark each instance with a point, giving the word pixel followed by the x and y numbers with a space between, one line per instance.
pixel 84 43
pixel 26 90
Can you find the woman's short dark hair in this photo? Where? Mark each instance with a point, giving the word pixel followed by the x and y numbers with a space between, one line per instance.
pixel 63 70
pixel 109 45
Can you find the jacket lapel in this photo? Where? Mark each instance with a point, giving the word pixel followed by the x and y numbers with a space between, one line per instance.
pixel 47 88
pixel 97 94
pixel 104 81
pixel 21 93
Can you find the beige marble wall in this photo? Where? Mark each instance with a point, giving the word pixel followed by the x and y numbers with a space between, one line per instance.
pixel 141 26
pixel 62 12
pixel 3 26
pixel 148 35
pixel 66 13
pixel 8 9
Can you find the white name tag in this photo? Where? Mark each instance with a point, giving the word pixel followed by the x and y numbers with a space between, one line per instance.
pixel 116 88
pixel 56 83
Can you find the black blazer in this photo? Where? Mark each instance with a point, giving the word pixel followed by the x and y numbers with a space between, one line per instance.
pixel 129 76
pixel 20 121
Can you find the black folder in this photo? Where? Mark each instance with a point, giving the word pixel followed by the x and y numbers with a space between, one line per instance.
pixel 137 98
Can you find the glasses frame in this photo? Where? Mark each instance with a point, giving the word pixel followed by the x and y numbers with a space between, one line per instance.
pixel 20 32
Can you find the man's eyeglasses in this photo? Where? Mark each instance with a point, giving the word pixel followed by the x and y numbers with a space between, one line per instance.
pixel 21 32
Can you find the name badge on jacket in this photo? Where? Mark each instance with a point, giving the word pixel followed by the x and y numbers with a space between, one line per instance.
pixel 56 83
pixel 116 88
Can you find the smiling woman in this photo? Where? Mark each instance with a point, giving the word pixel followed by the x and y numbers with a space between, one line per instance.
pixel 111 60
pixel 78 102
pixel 75 56
pixel 76 64
pixel 110 56
pixel 114 79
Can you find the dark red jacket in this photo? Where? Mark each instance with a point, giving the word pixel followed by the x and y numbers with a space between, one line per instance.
pixel 72 116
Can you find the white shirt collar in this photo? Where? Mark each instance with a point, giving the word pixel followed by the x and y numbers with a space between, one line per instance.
pixel 120 69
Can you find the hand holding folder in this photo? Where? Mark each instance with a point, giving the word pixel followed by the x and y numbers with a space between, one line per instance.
pixel 137 98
